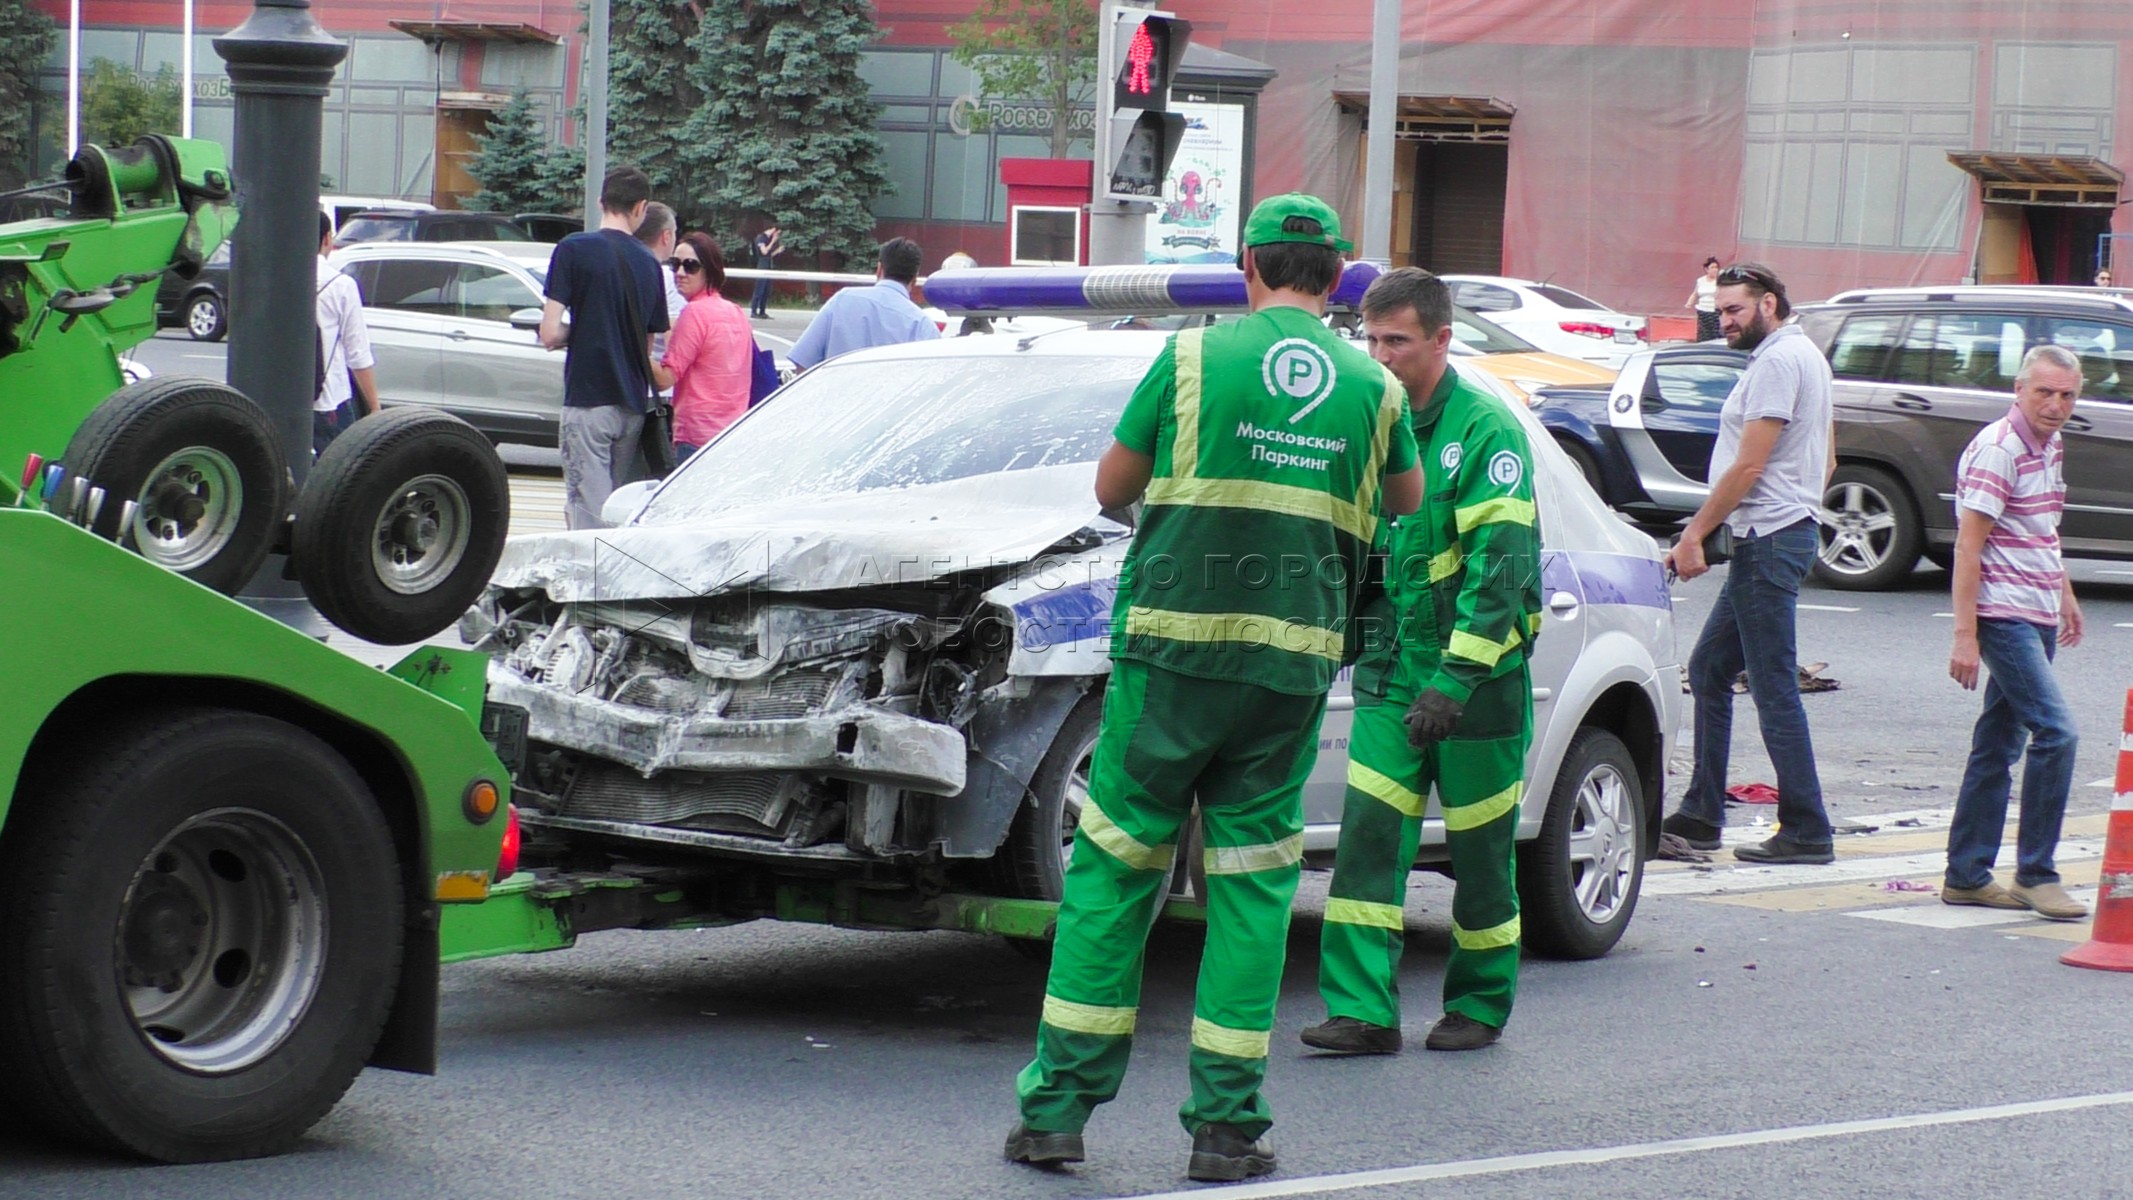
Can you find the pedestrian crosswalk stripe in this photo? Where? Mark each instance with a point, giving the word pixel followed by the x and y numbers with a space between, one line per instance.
pixel 1927 864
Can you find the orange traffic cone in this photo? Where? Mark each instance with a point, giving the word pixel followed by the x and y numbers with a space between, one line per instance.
pixel 2110 944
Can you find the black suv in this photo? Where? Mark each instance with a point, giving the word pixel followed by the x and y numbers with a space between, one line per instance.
pixel 1918 371
pixel 395 225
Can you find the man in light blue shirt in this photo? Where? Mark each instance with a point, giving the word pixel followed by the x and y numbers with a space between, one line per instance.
pixel 858 317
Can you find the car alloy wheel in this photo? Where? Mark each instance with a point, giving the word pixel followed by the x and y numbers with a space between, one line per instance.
pixel 1603 849
pixel 1870 535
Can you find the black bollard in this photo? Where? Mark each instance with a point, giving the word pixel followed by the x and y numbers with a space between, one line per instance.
pixel 281 62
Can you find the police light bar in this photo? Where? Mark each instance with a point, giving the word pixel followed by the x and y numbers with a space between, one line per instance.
pixel 1149 291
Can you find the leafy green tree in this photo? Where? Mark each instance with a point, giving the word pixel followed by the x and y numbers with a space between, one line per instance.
pixel 786 128
pixel 119 106
pixel 26 40
pixel 1041 50
pixel 519 169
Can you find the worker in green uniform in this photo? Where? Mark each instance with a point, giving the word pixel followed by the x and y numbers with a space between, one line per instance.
pixel 1443 698
pixel 1265 450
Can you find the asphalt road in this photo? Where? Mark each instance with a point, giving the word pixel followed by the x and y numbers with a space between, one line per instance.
pixel 1756 1034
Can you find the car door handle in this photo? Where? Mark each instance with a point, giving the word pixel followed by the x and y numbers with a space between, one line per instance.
pixel 1563 605
pixel 458 335
pixel 2078 424
pixel 1914 403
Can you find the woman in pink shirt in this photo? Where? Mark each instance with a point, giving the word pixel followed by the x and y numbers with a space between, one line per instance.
pixel 710 353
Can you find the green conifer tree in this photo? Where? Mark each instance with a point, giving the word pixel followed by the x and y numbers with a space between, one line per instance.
pixel 786 128
pixel 26 40
pixel 519 169
pixel 651 96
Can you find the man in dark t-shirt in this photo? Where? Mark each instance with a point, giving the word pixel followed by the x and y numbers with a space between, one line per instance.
pixel 606 375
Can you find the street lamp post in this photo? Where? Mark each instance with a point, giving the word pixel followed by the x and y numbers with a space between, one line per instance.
pixel 280 65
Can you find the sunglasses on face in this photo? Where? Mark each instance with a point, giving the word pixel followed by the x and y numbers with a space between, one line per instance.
pixel 687 266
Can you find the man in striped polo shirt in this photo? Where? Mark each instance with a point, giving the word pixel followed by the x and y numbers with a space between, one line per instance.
pixel 2013 607
pixel 1264 448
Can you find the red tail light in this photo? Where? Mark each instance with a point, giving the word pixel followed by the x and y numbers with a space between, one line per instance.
pixel 507 858
pixel 1591 329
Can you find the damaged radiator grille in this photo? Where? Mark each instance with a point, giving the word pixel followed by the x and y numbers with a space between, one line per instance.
pixel 751 802
pixel 782 696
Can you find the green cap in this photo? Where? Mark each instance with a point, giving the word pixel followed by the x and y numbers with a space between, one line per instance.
pixel 1295 217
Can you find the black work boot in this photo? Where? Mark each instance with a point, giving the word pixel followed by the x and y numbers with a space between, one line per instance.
pixel 1699 834
pixel 1457 1031
pixel 1222 1154
pixel 1040 1149
pixel 1346 1035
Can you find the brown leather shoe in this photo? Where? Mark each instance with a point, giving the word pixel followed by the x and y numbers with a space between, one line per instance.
pixel 1992 895
pixel 2050 901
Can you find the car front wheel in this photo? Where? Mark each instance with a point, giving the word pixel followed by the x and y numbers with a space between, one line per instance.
pixel 1578 881
pixel 205 318
pixel 1870 531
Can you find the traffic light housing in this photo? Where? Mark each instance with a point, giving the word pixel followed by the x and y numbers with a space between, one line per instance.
pixel 1145 49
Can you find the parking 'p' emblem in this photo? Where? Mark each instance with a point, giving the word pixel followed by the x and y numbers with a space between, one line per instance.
pixel 1449 459
pixel 1296 368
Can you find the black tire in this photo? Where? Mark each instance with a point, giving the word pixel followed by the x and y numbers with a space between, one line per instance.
pixel 1031 863
pixel 1578 881
pixel 203 936
pixel 400 524
pixel 204 468
pixel 1877 536
pixel 1941 556
pixel 205 317
pixel 1587 466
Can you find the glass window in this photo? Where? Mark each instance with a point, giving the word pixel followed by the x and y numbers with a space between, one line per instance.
pixel 373 155
pixel 122 46
pixel 898 72
pixel 963 177
pixel 1045 236
pixel 1486 337
pixel 492 293
pixel 1565 298
pixel 1484 297
pixel 413 285
pixel 930 420
pixel 2106 352
pixel 1701 387
pixel 1978 351
pixel 396 57
pixel 1862 346
pixel 904 156
pixel 376 229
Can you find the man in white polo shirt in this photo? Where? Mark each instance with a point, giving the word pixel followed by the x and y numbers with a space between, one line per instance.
pixel 2013 606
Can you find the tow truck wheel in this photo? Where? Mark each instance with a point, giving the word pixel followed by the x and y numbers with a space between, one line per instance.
pixel 401 523
pixel 244 887
pixel 203 468
pixel 1578 881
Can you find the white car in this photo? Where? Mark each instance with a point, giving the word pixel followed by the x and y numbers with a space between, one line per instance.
pixel 1553 318
pixel 863 633
pixel 456 326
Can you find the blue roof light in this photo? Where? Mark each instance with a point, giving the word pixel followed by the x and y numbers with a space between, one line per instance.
pixel 1145 291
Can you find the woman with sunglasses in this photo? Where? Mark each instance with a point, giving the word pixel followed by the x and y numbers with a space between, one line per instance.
pixel 711 352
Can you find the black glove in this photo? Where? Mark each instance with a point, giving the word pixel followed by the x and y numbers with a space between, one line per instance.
pixel 1432 718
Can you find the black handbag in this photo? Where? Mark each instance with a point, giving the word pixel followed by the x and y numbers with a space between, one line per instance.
pixel 656 440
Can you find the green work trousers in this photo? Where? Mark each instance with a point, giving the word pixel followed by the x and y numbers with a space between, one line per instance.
pixel 1479 776
pixel 1167 738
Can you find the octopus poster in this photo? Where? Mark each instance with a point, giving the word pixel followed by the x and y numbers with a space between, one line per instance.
pixel 1196 219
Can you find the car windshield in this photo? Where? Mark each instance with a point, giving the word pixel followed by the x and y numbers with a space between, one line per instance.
pixel 378 229
pixel 866 426
pixel 1565 298
pixel 1483 336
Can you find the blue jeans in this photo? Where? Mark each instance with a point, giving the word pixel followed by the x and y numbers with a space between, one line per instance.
pixel 2022 704
pixel 1751 628
pixel 759 303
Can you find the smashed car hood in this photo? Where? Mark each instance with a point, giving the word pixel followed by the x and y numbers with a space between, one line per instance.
pixel 815 543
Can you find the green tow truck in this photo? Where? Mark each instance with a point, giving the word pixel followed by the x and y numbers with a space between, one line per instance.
pixel 226 849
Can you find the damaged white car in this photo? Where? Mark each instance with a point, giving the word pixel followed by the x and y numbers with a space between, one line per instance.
pixel 862 636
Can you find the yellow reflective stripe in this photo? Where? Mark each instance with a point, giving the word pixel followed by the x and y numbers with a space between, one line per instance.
pixel 1476 815
pixel 1265 497
pixel 1446 564
pixel 1392 407
pixel 1243 860
pixel 1255 629
pixel 1507 509
pixel 1363 912
pixel 1474 648
pixel 1088 1018
pixel 1221 1039
pixel 1533 623
pixel 1185 452
pixel 1375 783
pixel 1121 845
pixel 1494 937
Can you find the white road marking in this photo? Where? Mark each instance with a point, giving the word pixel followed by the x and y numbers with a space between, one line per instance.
pixel 2122 625
pixel 1950 616
pixel 1826 608
pixel 2105 782
pixel 1543 1160
pixel 203 357
pixel 1961 916
pixel 1844 870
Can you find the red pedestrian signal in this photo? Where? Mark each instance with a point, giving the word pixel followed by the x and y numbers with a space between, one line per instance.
pixel 1139 53
pixel 1141 134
